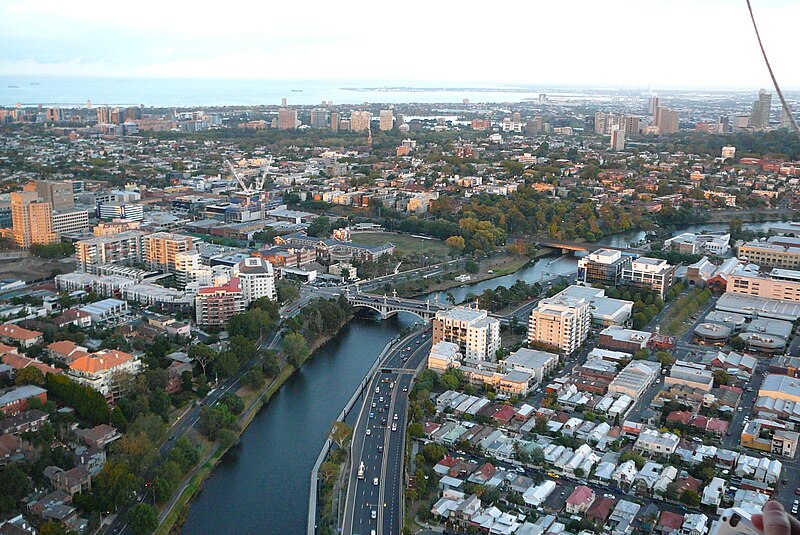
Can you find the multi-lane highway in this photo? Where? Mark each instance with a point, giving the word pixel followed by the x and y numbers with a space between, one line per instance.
pixel 374 503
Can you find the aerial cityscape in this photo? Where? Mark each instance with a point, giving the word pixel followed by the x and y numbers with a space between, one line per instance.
pixel 497 302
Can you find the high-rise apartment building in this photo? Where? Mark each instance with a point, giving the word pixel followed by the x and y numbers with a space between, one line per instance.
pixel 617 138
pixel 562 321
pixel 652 105
pixel 386 120
pixel 214 305
pixel 477 335
pixel 334 121
pixel 723 124
pixel 399 120
pixel 631 126
pixel 122 247
pixel 319 118
pixel 161 248
pixel 667 121
pixel 599 122
pixel 30 218
pixel 359 121
pixel 57 194
pixel 287 119
pixel 786 121
pixel 256 278
pixel 759 114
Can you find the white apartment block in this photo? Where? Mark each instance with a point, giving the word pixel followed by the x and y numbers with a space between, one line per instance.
pixel 562 321
pixel 124 247
pixel 476 334
pixel 257 279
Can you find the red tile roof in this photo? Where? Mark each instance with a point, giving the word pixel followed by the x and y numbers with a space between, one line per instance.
pixel 670 520
pixel 582 494
pixel 15 332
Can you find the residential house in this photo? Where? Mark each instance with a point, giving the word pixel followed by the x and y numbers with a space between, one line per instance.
pixel 16 335
pixel 580 500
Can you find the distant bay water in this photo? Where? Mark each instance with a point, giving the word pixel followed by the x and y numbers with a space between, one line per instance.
pixel 75 91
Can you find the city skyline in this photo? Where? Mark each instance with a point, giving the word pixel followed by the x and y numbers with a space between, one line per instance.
pixel 542 45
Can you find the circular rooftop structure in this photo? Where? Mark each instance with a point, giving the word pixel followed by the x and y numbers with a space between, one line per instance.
pixel 713 333
pixel 763 342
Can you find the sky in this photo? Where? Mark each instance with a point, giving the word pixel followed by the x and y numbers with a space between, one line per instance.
pixel 611 43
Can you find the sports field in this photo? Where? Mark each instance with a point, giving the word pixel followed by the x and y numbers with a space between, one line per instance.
pixel 405 243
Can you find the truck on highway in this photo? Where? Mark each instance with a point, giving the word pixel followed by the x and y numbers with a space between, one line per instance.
pixel 361 470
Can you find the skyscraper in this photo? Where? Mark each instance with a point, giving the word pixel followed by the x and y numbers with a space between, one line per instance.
pixel 31 219
pixel 287 119
pixel 631 126
pixel 599 122
pixel 359 121
pixel 386 121
pixel 759 115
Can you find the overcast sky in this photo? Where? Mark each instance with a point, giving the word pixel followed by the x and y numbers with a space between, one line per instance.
pixel 612 43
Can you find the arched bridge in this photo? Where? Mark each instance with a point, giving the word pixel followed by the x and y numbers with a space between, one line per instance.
pixel 389 306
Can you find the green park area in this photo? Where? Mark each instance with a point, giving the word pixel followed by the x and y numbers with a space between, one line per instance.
pixel 405 243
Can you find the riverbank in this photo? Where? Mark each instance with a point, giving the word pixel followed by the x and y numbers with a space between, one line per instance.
pixel 177 510
pixel 499 267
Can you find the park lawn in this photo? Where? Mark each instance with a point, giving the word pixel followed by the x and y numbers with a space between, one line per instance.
pixel 404 243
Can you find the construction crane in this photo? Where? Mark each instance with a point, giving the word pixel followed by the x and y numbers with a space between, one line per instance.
pixel 256 185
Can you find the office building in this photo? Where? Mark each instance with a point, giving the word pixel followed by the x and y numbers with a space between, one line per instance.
pixel 386 120
pixel 359 121
pixel 111 211
pixel 69 221
pixel 562 321
pixel 619 339
pixel 654 274
pixel 31 221
pixel 634 379
pixel 256 278
pixel 603 266
pixel 780 284
pixel 767 254
pixel 334 121
pixel 476 334
pixel 123 247
pixel 690 374
pixel 759 114
pixel 161 248
pixel 287 119
pixel 58 194
pixel 723 124
pixel 215 305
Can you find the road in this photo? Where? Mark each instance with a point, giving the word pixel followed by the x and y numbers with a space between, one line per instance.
pixel 375 501
pixel 188 420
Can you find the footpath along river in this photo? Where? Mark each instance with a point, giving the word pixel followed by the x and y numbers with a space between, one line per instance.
pixel 262 485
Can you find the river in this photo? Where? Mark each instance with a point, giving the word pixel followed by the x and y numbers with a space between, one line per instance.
pixel 262 485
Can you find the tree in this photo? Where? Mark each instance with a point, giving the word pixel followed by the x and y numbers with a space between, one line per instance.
pixel 471 266
pixel 118 419
pixel 14 486
pixel 721 377
pixel 319 227
pixel 665 358
pixel 456 244
pixel 203 355
pixel 116 484
pixel 287 291
pixel 226 364
pixel 30 375
pixel 136 450
pixel 736 343
pixel 341 433
pixel 451 379
pixel 416 430
pixel 255 378
pixel 690 498
pixel 233 402
pixel 213 420
pixel 296 348
pixel 52 528
pixel 632 456
pixel 143 518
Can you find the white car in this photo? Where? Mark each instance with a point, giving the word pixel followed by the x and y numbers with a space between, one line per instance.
pixel 375 481
pixel 394 427
pixel 395 417
pixel 374 514
pixel 369 432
